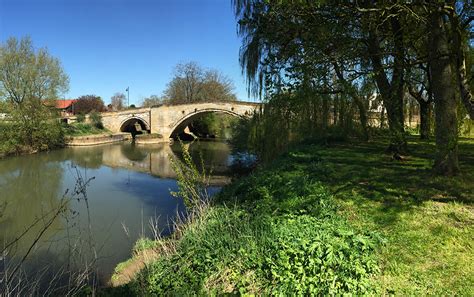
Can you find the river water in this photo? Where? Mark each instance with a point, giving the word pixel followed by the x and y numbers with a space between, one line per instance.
pixel 128 186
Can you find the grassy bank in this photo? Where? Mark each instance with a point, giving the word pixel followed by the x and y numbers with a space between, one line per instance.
pixel 328 220
pixel 83 129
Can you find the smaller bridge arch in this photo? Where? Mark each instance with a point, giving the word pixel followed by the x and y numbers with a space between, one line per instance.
pixel 134 125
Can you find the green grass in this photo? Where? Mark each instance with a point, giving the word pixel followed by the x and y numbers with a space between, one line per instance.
pixel 338 219
pixel 428 221
pixel 82 129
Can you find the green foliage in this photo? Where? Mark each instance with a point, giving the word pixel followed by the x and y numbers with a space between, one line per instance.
pixel 213 124
pixel 143 244
pixel 82 129
pixel 30 81
pixel 315 257
pixel 28 74
pixel 467 128
pixel 192 182
pixel 18 139
pixel 292 118
pixel 80 118
pixel 96 120
pixel 3 106
pixel 282 236
pixel 313 221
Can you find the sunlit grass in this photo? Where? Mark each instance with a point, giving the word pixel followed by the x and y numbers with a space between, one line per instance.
pixel 427 220
pixel 405 230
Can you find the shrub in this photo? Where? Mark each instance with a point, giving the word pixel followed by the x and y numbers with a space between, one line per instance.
pixel 80 118
pixel 96 120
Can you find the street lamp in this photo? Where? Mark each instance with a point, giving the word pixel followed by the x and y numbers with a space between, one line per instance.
pixel 128 97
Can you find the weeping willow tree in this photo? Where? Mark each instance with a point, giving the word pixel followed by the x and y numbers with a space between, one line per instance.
pixel 335 51
pixel 288 59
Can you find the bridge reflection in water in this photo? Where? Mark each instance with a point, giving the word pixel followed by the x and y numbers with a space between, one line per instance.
pixel 154 159
pixel 120 197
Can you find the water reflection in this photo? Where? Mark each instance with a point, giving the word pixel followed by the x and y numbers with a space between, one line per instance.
pixel 131 185
pixel 22 180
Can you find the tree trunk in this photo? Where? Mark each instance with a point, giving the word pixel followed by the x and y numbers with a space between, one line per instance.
pixel 460 64
pixel 425 119
pixel 356 98
pixel 325 115
pixel 382 118
pixel 446 159
pixel 425 111
pixel 391 92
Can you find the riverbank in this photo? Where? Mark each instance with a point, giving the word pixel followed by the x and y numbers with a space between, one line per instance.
pixel 328 220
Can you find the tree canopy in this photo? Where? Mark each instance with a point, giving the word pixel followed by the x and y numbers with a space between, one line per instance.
pixel 153 100
pixel 26 74
pixel 88 103
pixel 118 101
pixel 28 79
pixel 192 83
pixel 326 58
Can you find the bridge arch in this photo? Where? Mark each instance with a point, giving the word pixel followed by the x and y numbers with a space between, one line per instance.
pixel 134 125
pixel 180 124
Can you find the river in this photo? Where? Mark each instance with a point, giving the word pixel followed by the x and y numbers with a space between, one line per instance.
pixel 128 186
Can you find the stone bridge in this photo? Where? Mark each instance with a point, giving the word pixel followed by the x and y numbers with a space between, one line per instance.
pixel 169 120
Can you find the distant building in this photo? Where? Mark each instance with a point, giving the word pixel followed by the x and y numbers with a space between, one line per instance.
pixel 66 106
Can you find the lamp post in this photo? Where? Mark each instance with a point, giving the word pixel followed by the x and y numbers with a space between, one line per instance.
pixel 128 97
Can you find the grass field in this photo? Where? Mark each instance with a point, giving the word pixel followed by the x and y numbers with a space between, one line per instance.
pixel 427 220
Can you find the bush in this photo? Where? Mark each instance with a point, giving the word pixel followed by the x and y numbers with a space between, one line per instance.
pixel 17 138
pixel 96 120
pixel 80 118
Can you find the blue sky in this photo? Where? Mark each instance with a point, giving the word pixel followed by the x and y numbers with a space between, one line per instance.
pixel 107 45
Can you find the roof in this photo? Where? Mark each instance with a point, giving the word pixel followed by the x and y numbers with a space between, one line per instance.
pixel 62 104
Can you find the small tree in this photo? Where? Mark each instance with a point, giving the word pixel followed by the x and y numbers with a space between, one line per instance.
pixel 88 103
pixel 152 101
pixel 118 101
pixel 192 83
pixel 28 79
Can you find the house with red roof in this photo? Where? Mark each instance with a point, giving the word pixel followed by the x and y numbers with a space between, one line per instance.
pixel 66 106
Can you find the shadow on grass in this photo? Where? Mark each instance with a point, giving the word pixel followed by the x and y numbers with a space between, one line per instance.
pixel 359 172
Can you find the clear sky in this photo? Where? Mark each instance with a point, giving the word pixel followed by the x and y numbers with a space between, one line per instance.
pixel 107 45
